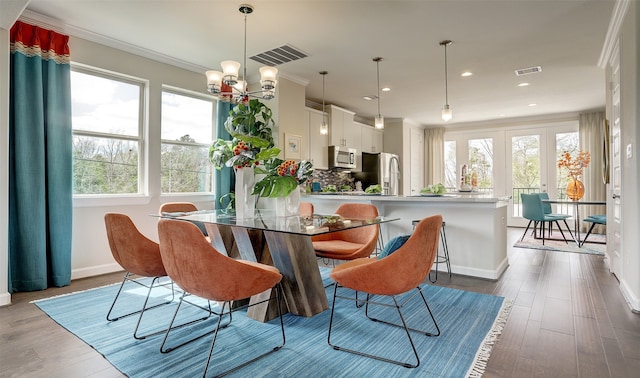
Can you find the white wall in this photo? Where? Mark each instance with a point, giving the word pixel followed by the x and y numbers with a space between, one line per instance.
pixel 630 121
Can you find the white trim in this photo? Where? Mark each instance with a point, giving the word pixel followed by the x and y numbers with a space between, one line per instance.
pixel 57 25
pixel 5 299
pixel 112 200
pixel 632 300
pixel 482 273
pixel 95 271
pixel 617 17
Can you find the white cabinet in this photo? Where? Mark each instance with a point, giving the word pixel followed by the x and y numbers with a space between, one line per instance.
pixel 318 153
pixel 343 131
pixel 371 139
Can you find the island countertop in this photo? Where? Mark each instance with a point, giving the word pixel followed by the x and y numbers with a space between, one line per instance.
pixel 461 197
pixel 476 227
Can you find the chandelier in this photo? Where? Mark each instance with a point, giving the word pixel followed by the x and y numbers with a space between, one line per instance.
pixel 447 113
pixel 379 120
pixel 226 85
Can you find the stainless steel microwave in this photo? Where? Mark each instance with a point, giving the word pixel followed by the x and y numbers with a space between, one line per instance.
pixel 342 157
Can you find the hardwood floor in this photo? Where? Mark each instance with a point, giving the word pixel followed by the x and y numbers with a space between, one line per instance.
pixel 568 320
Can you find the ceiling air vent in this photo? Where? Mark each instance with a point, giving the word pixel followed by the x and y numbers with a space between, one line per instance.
pixel 279 55
pixel 527 71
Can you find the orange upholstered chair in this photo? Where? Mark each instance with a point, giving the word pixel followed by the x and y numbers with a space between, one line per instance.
pixel 349 244
pixel 177 207
pixel 200 270
pixel 403 270
pixel 183 207
pixel 138 256
pixel 306 209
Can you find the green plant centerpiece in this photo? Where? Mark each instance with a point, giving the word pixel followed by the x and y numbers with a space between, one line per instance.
pixel 250 125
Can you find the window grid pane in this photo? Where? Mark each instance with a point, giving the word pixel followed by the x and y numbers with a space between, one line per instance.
pixel 107 123
pixel 187 131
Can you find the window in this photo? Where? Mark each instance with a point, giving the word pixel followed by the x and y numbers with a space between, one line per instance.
pixel 481 161
pixel 564 142
pixel 187 132
pixel 107 132
pixel 450 171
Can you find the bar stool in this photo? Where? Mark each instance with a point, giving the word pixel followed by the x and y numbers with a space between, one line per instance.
pixel 440 258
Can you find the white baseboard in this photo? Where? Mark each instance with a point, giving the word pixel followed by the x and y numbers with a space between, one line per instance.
pixel 632 300
pixel 481 273
pixel 5 299
pixel 95 271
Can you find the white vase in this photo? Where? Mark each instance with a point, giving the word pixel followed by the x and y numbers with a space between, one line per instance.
pixel 289 205
pixel 245 200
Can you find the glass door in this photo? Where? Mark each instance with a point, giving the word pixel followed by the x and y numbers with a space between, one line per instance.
pixel 531 164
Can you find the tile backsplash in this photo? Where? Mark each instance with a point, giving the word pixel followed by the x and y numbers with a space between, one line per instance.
pixel 337 178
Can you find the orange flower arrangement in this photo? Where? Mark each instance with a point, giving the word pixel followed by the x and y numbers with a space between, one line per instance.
pixel 574 166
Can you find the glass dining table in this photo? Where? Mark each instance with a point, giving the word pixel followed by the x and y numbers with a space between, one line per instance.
pixel 576 214
pixel 284 242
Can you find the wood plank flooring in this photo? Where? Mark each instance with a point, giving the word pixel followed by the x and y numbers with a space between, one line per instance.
pixel 568 320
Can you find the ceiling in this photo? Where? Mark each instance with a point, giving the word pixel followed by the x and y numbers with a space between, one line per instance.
pixel 490 38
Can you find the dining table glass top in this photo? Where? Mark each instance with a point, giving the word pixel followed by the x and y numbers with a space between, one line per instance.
pixel 267 220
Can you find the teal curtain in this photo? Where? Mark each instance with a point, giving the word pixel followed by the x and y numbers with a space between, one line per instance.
pixel 40 159
pixel 223 181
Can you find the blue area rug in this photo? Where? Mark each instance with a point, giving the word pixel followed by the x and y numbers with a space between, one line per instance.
pixel 470 324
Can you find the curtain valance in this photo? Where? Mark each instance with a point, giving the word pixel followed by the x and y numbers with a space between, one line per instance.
pixel 33 41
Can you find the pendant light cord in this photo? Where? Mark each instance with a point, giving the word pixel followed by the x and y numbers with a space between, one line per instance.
pixel 446 76
pixel 378 73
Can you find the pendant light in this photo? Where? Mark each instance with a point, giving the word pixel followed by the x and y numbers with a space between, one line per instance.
pixel 324 128
pixel 379 120
pixel 447 113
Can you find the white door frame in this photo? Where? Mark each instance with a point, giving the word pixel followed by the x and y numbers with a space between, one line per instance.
pixel 614 208
pixel 548 165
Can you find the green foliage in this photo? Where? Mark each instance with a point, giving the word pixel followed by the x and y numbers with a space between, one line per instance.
pixel 250 127
pixel 282 177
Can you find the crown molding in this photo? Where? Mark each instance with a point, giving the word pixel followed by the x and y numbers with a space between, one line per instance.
pixel 58 26
pixel 617 17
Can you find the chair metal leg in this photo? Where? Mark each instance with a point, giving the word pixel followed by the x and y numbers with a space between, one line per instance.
pixel 128 278
pixel 171 327
pixel 403 325
pixel 525 231
pixel 562 233
pixel 215 336
pixel 580 244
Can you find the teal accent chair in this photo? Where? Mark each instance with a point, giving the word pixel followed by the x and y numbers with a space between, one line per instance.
pixel 533 210
pixel 594 219
pixel 546 207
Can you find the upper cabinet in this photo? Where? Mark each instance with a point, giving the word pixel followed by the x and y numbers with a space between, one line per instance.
pixel 343 131
pixel 371 139
pixel 318 153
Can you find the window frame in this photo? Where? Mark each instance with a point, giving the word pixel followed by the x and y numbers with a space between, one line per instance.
pixel 214 107
pixel 142 196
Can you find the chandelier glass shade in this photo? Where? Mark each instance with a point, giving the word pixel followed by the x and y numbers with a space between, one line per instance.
pixel 226 84
pixel 324 127
pixel 447 113
pixel 379 119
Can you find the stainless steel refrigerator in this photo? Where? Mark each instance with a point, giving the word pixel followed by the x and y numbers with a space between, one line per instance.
pixel 381 168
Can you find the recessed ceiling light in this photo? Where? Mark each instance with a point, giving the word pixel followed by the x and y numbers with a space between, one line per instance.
pixel 523 84
pixel 385 89
pixel 368 98
pixel 466 74
pixel 532 104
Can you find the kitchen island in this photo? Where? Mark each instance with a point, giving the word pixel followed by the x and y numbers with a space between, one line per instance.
pixel 476 225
